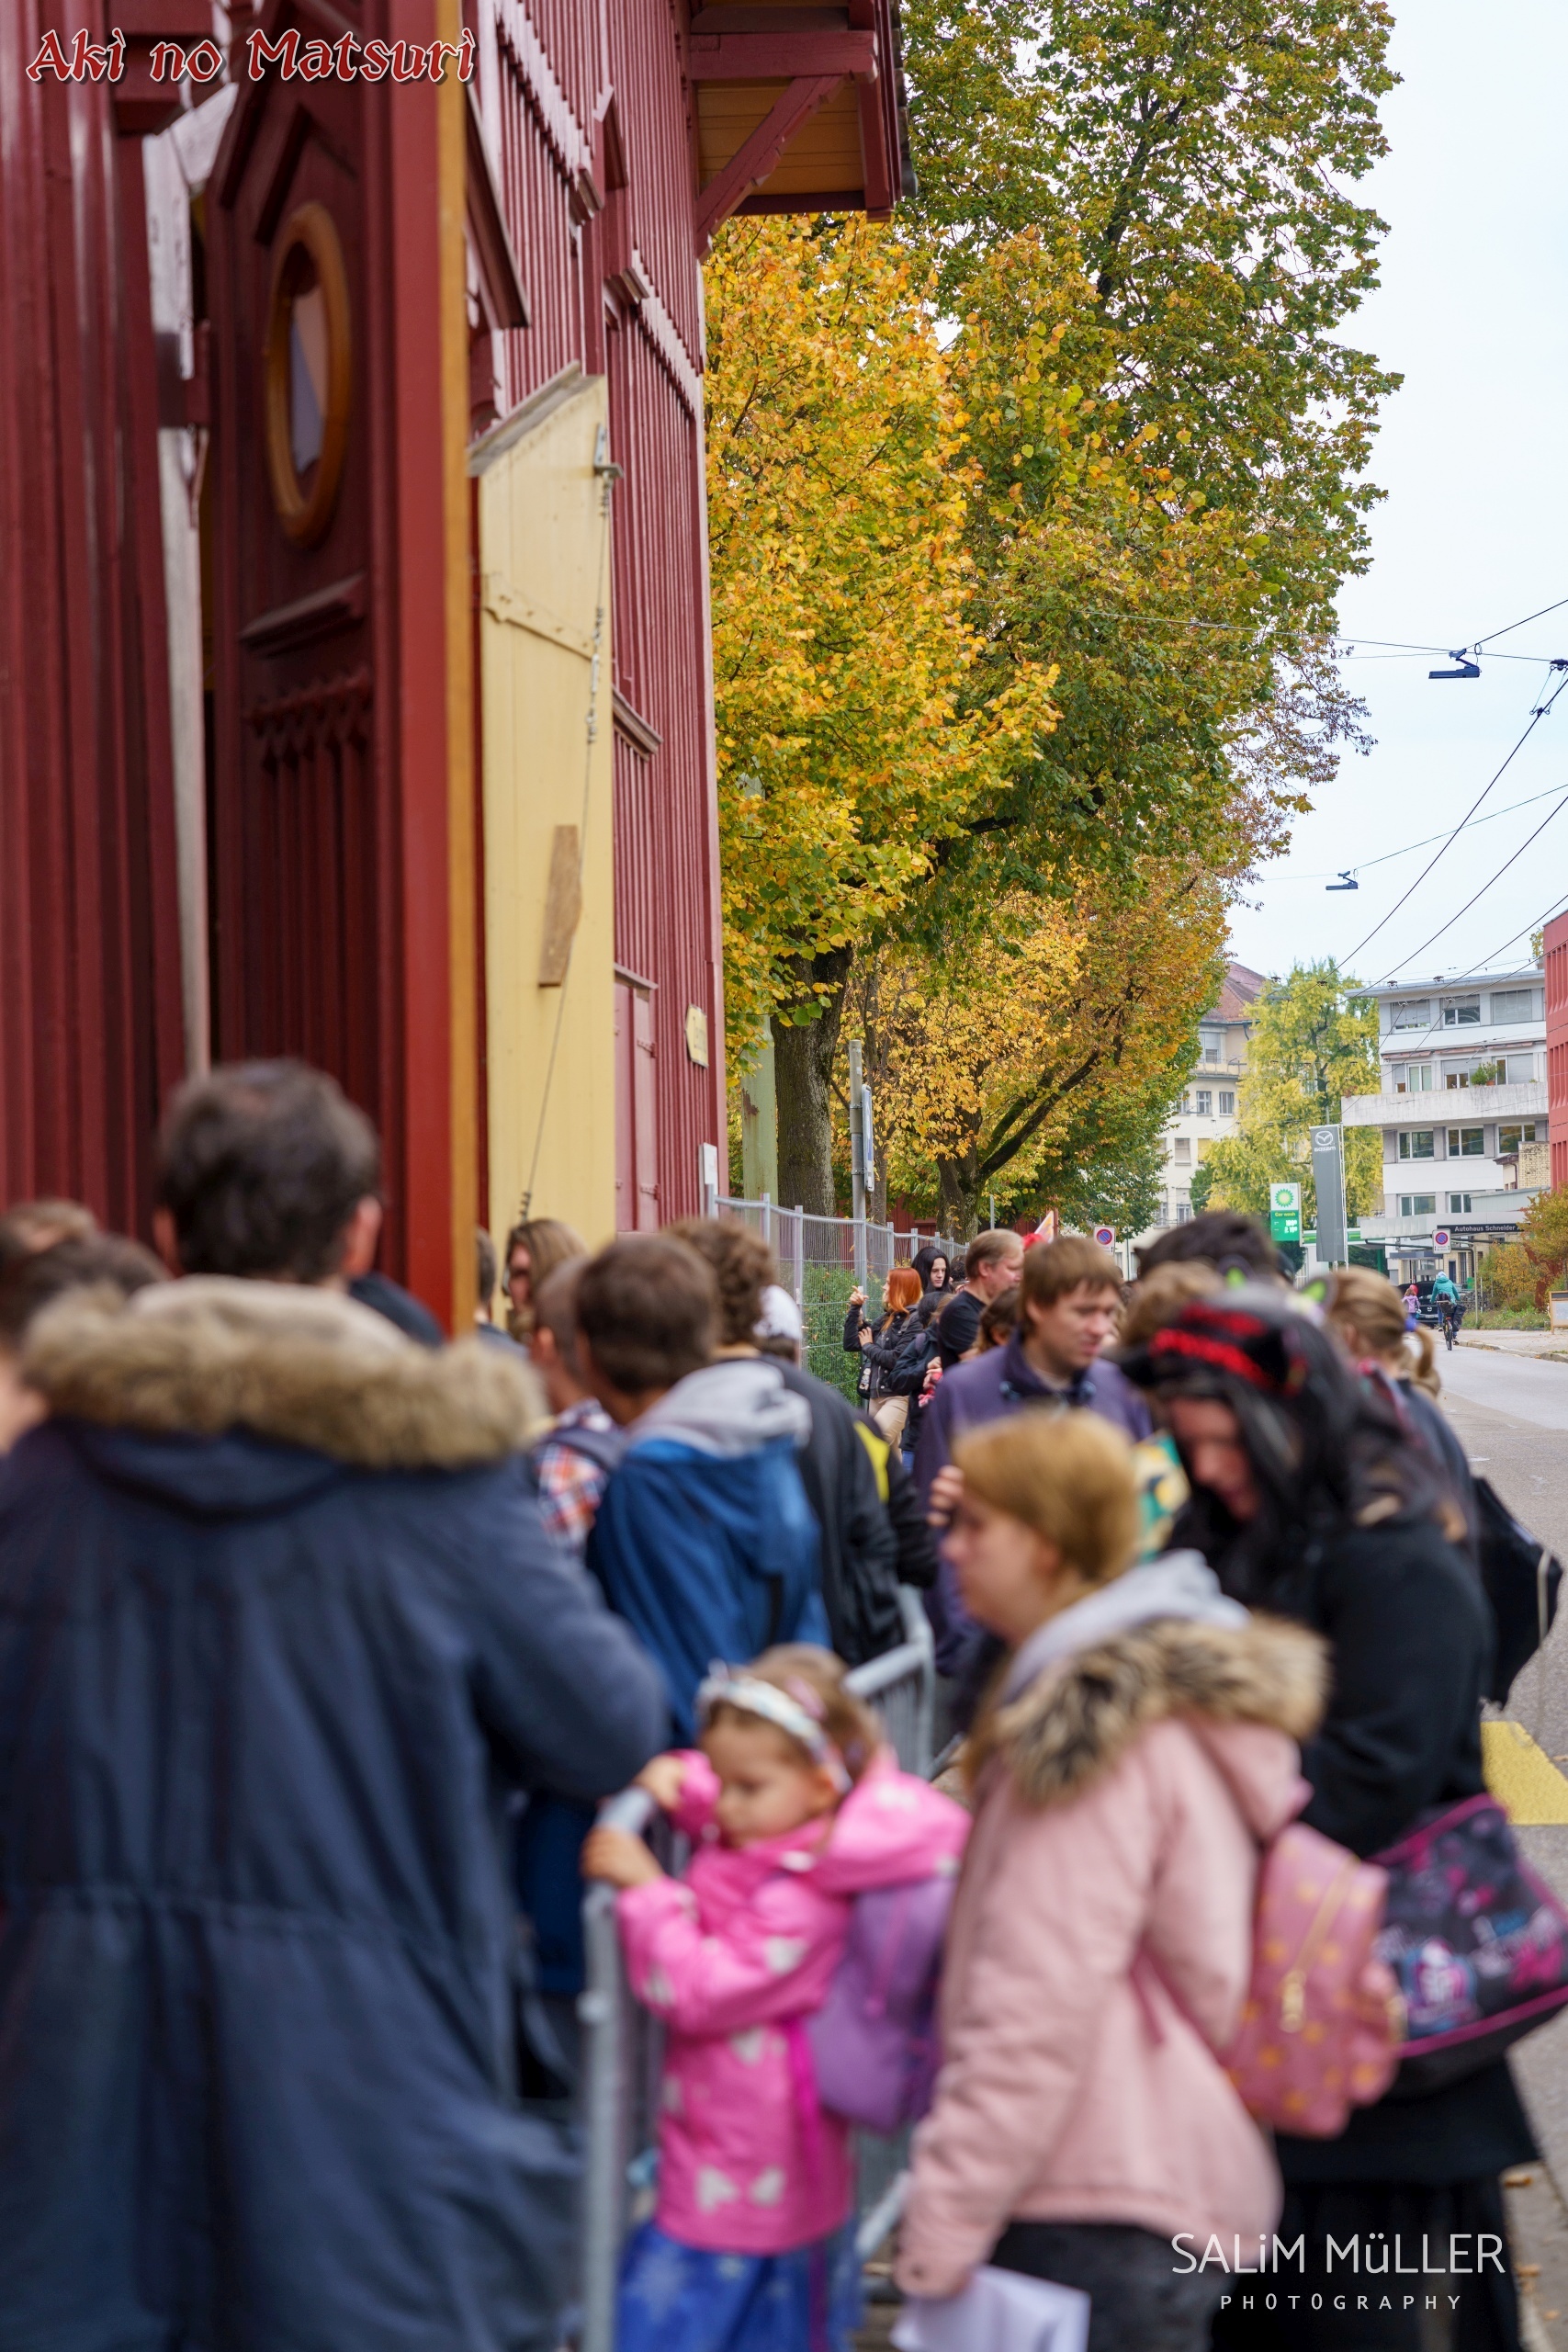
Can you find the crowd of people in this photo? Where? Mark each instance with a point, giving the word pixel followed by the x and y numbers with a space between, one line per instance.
pixel 322 1640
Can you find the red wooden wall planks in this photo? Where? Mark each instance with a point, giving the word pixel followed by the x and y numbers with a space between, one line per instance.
pixel 90 1013
pixel 587 109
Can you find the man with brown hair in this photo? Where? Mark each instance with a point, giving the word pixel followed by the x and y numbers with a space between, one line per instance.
pixel 992 1263
pixel 274 1585
pixel 1070 1298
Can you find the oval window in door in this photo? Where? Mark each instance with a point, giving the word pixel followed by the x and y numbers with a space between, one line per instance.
pixel 307 373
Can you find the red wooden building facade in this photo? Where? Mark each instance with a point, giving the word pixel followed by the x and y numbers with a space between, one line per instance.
pixel 382 278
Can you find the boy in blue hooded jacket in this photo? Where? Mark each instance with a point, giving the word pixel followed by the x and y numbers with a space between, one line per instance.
pixel 705 1542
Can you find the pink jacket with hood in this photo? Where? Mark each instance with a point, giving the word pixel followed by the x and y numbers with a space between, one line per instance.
pixel 1101 1943
pixel 733 1957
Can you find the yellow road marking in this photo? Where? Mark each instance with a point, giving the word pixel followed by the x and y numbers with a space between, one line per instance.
pixel 1527 1785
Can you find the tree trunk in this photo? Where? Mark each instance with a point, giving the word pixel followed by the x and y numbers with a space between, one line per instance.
pixel 959 1196
pixel 803 1067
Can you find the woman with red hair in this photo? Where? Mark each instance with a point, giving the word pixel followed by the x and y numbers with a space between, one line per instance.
pixel 877 1345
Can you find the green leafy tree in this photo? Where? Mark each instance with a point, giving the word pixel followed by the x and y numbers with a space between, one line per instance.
pixel 1200 158
pixel 1181 729
pixel 1314 1041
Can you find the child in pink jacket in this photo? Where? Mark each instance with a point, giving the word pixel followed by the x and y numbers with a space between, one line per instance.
pixel 794 1808
pixel 1137 1750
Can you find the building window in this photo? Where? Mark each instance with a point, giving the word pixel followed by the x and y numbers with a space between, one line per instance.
pixel 1227 1105
pixel 1474 1073
pixel 1521 1069
pixel 1410 1078
pixel 1209 1044
pixel 1459 1204
pixel 1205 1147
pixel 1184 1213
pixel 1415 1012
pixel 1418 1204
pixel 1467 1143
pixel 1185 1107
pixel 1512 1005
pixel 1417 1142
pixel 1510 1138
pixel 1182 1150
pixel 1205 1103
pixel 1461 1012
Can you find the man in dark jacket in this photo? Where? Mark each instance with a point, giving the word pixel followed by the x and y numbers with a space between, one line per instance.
pixel 1070 1297
pixel 280 1628
pixel 992 1263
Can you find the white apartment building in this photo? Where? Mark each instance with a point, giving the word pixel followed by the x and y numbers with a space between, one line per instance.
pixel 1208 1104
pixel 1462 1115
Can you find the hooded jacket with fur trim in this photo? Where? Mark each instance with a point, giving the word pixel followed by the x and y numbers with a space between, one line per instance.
pixel 1101 1945
pixel 280 1628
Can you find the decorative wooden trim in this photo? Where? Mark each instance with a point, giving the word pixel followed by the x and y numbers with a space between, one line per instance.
pixel 631 726
pixel 876 161
pixel 812 199
pixel 569 142
pixel 505 297
pixel 756 157
pixel 527 416
pixel 328 709
pixel 781 56
pixel 317 615
pixel 664 335
pixel 305 519
pixel 633 979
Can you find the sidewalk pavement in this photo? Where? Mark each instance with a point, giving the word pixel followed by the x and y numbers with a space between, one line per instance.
pixel 1552 1346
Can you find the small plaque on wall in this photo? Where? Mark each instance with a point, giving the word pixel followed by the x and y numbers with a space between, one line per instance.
pixel 697 1034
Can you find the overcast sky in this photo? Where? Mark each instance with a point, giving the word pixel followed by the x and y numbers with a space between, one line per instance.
pixel 1473 531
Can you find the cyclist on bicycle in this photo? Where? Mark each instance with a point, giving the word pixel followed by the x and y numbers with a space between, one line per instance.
pixel 1450 1306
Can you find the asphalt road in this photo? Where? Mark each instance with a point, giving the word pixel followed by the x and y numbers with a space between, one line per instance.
pixel 1511 1413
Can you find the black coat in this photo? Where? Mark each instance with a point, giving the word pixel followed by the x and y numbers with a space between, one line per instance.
pixel 859 1550
pixel 880 1353
pixel 1410 1644
pixel 279 1630
pixel 958 1326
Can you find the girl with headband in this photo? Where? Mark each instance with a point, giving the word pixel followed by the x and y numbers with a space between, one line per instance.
pixel 793 1807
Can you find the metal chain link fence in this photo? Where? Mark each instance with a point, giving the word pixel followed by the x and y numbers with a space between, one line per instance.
pixel 821 1261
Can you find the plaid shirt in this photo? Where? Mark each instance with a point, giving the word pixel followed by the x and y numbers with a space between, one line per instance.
pixel 570 1485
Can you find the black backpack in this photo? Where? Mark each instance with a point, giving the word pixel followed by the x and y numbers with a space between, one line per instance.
pixel 1522 1579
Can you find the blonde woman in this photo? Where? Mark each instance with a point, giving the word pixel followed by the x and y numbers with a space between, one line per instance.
pixel 1366 1315
pixel 1138 1744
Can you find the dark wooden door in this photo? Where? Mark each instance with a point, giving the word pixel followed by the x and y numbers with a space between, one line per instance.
pixel 332 563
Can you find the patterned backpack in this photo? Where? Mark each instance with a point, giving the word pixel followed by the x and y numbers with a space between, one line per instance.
pixel 1476 1939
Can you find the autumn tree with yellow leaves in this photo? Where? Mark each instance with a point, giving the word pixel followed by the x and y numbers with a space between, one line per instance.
pixel 838 497
pixel 1039 1064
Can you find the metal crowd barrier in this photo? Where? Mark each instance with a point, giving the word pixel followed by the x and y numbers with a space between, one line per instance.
pixel 622 2044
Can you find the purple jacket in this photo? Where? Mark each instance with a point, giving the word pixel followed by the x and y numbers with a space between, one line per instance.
pixel 988 1389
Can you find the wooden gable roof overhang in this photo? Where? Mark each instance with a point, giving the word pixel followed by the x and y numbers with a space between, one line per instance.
pixel 798 109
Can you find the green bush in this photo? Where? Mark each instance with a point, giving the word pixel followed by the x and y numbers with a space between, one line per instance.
pixel 823 1310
